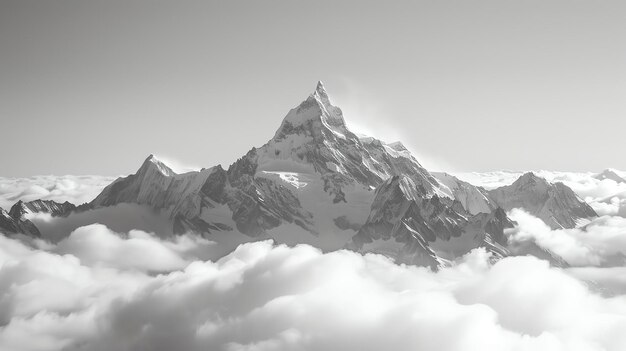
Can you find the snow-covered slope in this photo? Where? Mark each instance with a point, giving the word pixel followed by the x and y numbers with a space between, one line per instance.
pixel 158 186
pixel 312 182
pixel 427 230
pixel 556 204
pixel 313 138
pixel 316 182
pixel 474 199
pixel 196 200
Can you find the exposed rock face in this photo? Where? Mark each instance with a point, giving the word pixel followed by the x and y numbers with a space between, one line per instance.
pixel 474 199
pixel 17 225
pixel 425 229
pixel 556 204
pixel 314 136
pixel 314 182
pixel 256 204
pixel 54 208
pixel 610 174
pixel 312 139
pixel 259 203
pixel 16 220
pixel 157 185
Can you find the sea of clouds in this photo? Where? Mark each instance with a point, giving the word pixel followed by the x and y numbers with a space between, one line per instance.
pixel 97 289
pixel 101 290
pixel 75 189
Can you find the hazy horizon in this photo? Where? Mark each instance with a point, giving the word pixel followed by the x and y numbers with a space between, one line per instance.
pixel 93 87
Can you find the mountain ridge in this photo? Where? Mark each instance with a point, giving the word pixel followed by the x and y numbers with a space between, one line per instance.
pixel 556 204
pixel 317 182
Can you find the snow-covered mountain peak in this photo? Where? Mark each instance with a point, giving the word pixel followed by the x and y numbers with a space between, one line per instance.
pixel 313 115
pixel 314 139
pixel 398 146
pixel 530 179
pixel 320 92
pixel 556 204
pixel 474 199
pixel 152 163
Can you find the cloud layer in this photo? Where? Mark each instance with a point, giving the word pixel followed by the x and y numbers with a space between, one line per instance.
pixel 100 290
pixel 602 242
pixel 75 189
pixel 96 289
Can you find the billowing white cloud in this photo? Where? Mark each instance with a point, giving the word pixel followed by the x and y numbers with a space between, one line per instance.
pixel 609 281
pixel 72 296
pixel 601 242
pixel 96 245
pixel 75 189
pixel 96 289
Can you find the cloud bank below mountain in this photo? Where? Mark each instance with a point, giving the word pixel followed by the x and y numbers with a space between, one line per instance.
pixel 602 242
pixel 97 289
pixel 100 290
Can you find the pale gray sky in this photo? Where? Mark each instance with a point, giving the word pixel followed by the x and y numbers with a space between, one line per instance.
pixel 93 87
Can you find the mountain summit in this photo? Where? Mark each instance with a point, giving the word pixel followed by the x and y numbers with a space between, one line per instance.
pixel 317 178
pixel 314 113
pixel 556 204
